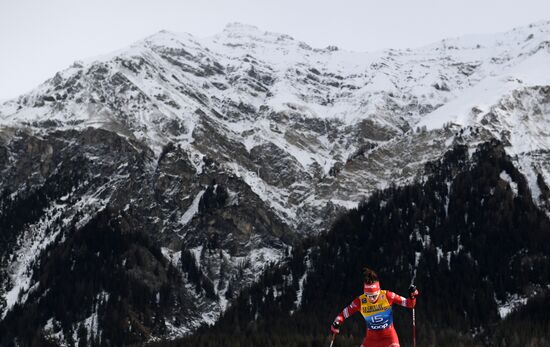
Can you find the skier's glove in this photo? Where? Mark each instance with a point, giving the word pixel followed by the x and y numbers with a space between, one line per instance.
pixel 335 327
pixel 413 292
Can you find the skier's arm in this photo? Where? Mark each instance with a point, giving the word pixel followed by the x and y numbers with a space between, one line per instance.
pixel 398 299
pixel 353 308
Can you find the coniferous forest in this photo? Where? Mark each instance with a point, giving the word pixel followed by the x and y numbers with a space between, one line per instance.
pixel 466 237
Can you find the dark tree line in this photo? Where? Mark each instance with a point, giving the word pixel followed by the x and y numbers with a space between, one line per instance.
pixel 28 205
pixel 466 236
pixel 470 239
pixel 108 268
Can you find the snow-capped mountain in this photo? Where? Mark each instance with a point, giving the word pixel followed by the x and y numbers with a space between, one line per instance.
pixel 320 108
pixel 226 150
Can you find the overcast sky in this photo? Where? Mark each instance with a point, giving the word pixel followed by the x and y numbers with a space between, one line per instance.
pixel 39 38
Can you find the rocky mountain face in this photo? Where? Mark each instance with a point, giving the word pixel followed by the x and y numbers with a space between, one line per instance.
pixel 205 159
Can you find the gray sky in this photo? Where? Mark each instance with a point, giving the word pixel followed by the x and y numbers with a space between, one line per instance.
pixel 39 38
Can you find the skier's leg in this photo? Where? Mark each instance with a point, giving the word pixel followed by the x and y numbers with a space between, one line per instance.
pixel 393 340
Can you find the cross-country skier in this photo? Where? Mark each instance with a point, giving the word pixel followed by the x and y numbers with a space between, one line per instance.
pixel 376 307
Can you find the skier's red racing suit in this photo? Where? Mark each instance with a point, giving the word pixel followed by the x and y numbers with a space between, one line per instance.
pixel 378 316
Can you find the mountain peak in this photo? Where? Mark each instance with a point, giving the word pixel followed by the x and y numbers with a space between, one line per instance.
pixel 241 27
pixel 240 30
pixel 168 38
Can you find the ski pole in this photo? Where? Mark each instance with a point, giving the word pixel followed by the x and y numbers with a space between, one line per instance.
pixel 332 341
pixel 414 329
pixel 413 292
